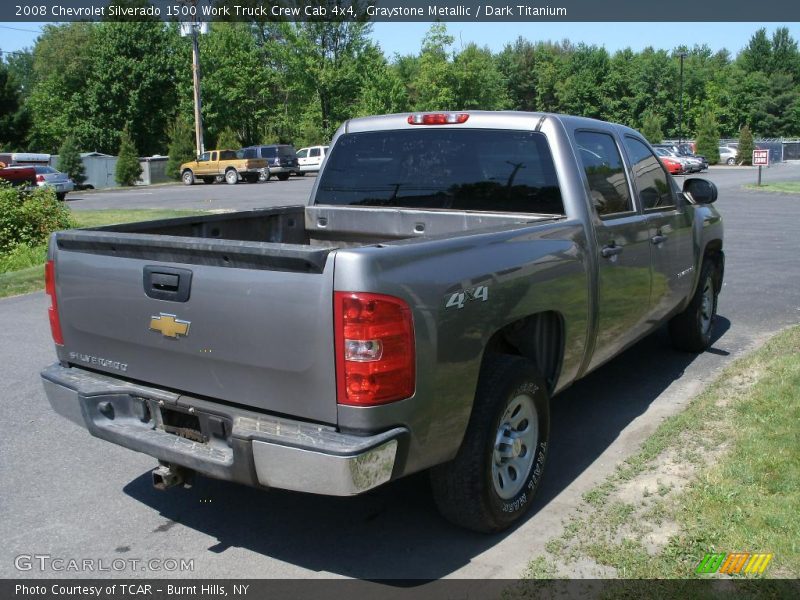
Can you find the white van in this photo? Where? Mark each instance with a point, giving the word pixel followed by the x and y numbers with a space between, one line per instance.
pixel 310 159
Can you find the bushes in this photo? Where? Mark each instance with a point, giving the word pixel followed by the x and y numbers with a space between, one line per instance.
pixel 69 160
pixel 181 147
pixel 708 139
pixel 28 218
pixel 744 153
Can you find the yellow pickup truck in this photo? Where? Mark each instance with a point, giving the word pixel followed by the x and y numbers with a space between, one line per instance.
pixel 223 164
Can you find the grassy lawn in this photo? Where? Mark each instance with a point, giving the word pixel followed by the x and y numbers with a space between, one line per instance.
pixel 722 476
pixel 785 187
pixel 22 272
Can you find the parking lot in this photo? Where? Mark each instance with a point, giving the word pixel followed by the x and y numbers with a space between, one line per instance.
pixel 69 495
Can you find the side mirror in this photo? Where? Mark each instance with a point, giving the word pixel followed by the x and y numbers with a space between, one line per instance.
pixel 700 191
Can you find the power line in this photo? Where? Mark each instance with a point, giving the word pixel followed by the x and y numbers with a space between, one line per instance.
pixel 21 29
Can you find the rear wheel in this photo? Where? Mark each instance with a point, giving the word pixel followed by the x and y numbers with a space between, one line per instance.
pixel 187 177
pixel 251 178
pixel 692 330
pixel 61 196
pixel 282 176
pixel 492 480
pixel 731 161
pixel 231 177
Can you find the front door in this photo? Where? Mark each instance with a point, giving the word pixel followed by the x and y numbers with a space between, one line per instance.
pixel 670 229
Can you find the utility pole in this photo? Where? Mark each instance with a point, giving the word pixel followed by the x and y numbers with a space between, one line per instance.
pixel 198 114
pixel 193 28
pixel 680 106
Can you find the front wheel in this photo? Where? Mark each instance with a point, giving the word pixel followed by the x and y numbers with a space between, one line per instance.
pixel 231 177
pixel 692 330
pixel 491 482
pixel 187 177
pixel 282 176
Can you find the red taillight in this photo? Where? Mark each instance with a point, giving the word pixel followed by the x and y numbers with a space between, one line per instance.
pixel 374 344
pixel 40 178
pixel 437 118
pixel 50 289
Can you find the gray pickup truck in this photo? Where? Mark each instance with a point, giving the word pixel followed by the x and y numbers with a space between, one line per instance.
pixel 450 274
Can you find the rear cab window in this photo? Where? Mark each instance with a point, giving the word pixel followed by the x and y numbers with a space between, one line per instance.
pixel 488 170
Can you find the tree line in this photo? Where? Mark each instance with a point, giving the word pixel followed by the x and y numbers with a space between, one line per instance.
pixel 297 82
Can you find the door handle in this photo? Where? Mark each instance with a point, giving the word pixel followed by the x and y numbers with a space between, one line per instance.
pixel 658 239
pixel 611 250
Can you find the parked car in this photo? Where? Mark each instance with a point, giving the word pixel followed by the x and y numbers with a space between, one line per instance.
pixel 688 151
pixel 18 175
pixel 451 273
pixel 727 155
pixel 281 159
pixel 52 178
pixel 230 165
pixel 673 165
pixel 310 159
pixel 690 165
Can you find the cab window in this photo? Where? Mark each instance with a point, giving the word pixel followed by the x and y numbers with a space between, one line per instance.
pixel 651 179
pixel 605 172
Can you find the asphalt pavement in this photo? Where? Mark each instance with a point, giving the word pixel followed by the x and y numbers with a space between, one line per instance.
pixel 67 495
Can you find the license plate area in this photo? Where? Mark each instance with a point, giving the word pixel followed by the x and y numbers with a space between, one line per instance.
pixel 182 424
pixel 196 426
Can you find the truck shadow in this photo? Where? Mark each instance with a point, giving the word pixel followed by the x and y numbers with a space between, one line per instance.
pixel 395 532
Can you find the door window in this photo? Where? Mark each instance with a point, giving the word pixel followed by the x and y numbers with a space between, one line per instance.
pixel 651 179
pixel 605 172
pixel 204 157
pixel 314 152
pixel 213 156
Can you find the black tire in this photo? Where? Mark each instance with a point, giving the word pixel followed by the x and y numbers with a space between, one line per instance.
pixel 251 178
pixel 466 488
pixel 61 196
pixel 693 329
pixel 187 177
pixel 208 180
pixel 731 161
pixel 282 176
pixel 301 173
pixel 231 177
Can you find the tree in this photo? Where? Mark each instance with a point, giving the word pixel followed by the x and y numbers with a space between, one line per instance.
pixel 432 87
pixel 69 160
pixel 228 139
pixel 128 167
pixel 757 55
pixel 13 118
pixel 651 127
pixel 744 153
pixel 708 138
pixel 477 82
pixel 181 146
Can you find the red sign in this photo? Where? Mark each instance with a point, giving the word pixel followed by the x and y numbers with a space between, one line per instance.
pixel 760 157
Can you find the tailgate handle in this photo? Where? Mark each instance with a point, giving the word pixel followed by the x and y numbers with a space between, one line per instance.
pixel 167 283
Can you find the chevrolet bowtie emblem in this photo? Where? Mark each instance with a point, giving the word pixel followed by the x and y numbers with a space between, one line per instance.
pixel 169 325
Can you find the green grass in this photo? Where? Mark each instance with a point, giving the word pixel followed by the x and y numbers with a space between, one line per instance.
pixel 741 443
pixel 21 270
pixel 785 187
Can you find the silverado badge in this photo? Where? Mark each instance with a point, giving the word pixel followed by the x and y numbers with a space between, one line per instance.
pixel 169 325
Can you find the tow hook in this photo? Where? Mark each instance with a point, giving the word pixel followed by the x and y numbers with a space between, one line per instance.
pixel 168 476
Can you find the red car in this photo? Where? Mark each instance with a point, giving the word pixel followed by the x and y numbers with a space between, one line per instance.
pixel 18 175
pixel 673 166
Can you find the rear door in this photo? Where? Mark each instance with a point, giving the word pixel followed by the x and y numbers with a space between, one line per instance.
pixel 248 335
pixel 623 245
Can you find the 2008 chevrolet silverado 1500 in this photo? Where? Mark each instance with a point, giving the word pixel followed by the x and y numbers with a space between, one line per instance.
pixel 450 274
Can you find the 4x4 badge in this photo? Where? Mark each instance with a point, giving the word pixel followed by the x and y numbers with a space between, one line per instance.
pixel 169 325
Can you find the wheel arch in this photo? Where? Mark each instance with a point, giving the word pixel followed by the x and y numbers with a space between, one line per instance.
pixel 538 337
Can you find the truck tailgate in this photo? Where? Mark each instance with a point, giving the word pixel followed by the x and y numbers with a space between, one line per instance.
pixel 257 337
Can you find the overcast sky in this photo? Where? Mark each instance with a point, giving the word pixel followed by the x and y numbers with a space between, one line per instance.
pixel 406 38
